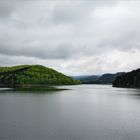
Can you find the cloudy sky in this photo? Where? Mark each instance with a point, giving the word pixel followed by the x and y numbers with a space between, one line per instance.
pixel 72 36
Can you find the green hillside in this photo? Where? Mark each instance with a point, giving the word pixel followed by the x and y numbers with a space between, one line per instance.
pixel 33 75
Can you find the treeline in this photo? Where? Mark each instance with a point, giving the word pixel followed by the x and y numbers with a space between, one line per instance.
pixel 33 74
pixel 129 80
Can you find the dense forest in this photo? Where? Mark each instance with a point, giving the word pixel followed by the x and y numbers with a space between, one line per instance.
pixel 129 80
pixel 33 74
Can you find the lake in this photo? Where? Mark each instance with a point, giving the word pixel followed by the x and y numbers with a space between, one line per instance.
pixel 86 112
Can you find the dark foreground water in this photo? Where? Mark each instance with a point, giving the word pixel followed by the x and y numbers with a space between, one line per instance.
pixel 87 112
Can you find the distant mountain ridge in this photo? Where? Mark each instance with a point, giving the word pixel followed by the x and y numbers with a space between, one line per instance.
pixel 33 74
pixel 86 79
pixel 107 78
pixel 128 80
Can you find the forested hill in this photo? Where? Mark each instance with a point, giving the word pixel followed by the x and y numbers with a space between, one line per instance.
pixel 108 78
pixel 130 80
pixel 33 74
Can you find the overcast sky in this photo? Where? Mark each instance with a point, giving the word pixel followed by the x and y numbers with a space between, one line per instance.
pixel 72 36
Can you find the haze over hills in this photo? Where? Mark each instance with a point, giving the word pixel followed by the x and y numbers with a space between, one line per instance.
pixel 87 79
pixel 33 74
pixel 107 78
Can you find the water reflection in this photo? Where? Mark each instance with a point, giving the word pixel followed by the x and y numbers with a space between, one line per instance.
pixel 86 112
pixel 35 90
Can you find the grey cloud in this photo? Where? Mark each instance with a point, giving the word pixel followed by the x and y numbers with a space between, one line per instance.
pixel 7 7
pixel 67 30
pixel 43 52
pixel 69 12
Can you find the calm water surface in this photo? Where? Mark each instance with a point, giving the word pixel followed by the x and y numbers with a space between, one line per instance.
pixel 87 112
